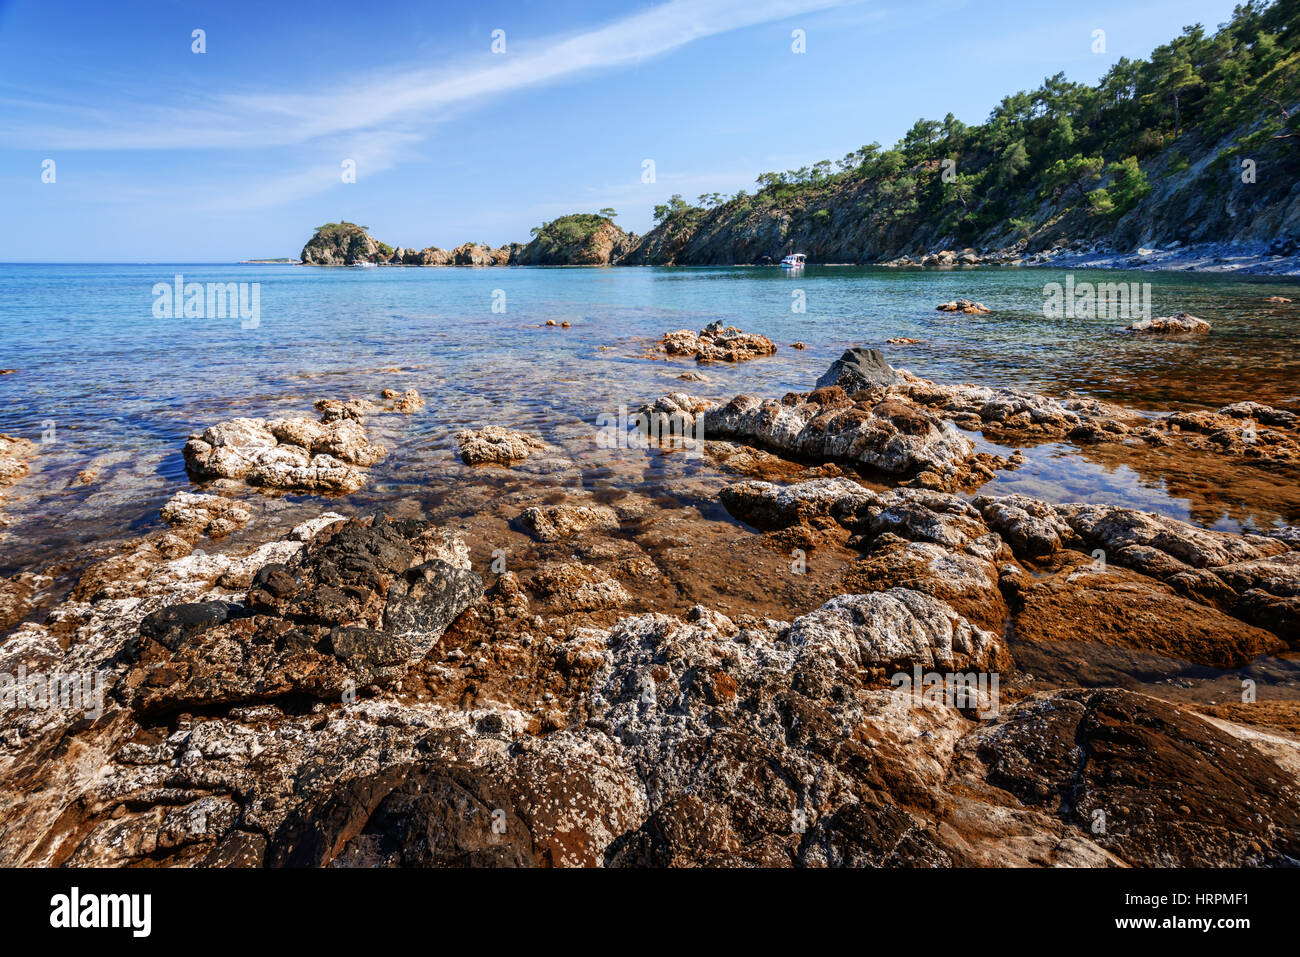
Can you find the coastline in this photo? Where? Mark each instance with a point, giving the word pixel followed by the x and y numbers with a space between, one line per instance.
pixel 1254 259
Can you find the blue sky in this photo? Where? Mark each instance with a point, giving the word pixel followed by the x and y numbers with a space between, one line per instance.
pixel 165 155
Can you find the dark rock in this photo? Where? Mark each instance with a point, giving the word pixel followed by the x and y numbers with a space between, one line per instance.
pixel 355 608
pixel 859 368
pixel 1170 789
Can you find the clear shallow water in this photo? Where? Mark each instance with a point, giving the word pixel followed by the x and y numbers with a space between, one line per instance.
pixel 124 389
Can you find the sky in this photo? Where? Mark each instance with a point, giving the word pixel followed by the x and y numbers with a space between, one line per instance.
pixel 163 154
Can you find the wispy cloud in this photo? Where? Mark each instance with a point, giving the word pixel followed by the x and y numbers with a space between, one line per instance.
pixel 378 119
pixel 262 120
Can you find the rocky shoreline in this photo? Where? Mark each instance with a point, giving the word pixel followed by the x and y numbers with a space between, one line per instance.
pixel 601 243
pixel 1247 259
pixel 638 685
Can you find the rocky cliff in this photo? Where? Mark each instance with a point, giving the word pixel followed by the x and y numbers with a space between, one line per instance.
pixel 582 239
pixel 340 244
pixel 1195 145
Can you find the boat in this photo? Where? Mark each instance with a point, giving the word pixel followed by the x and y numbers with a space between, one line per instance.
pixel 793 261
pixel 363 264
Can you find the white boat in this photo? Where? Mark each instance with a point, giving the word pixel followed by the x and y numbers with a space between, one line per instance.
pixel 363 264
pixel 793 261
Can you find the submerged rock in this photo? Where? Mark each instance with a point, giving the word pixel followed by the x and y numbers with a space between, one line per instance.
pixel 550 523
pixel 574 586
pixel 332 410
pixel 408 401
pixel 493 443
pixel 15 455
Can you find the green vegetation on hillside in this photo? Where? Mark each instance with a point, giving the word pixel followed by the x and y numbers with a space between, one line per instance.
pixel 343 226
pixel 1091 153
pixel 572 229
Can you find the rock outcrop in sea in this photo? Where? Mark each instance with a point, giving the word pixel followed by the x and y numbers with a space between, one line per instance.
pixel 299 454
pixel 1181 324
pixel 716 342
pixel 495 444
pixel 580 239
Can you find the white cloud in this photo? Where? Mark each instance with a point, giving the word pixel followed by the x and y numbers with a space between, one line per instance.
pixel 261 120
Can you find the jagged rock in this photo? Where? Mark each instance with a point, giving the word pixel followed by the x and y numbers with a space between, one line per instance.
pixel 890 436
pixel 1016 412
pixel 493 443
pixel 550 523
pixel 292 454
pixel 1248 429
pixel 470 254
pixel 18 596
pixel 963 305
pixel 1031 527
pixel 353 609
pixel 1168 789
pixel 1122 609
pixel 716 343
pixel 966 578
pixel 695 741
pixel 1269 590
pixel 1156 544
pixel 892 631
pixel 338 244
pixel 859 369
pixel 208 515
pixel 768 506
pixel 1180 324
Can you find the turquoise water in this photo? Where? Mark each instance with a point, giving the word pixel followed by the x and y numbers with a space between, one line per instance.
pixel 122 389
